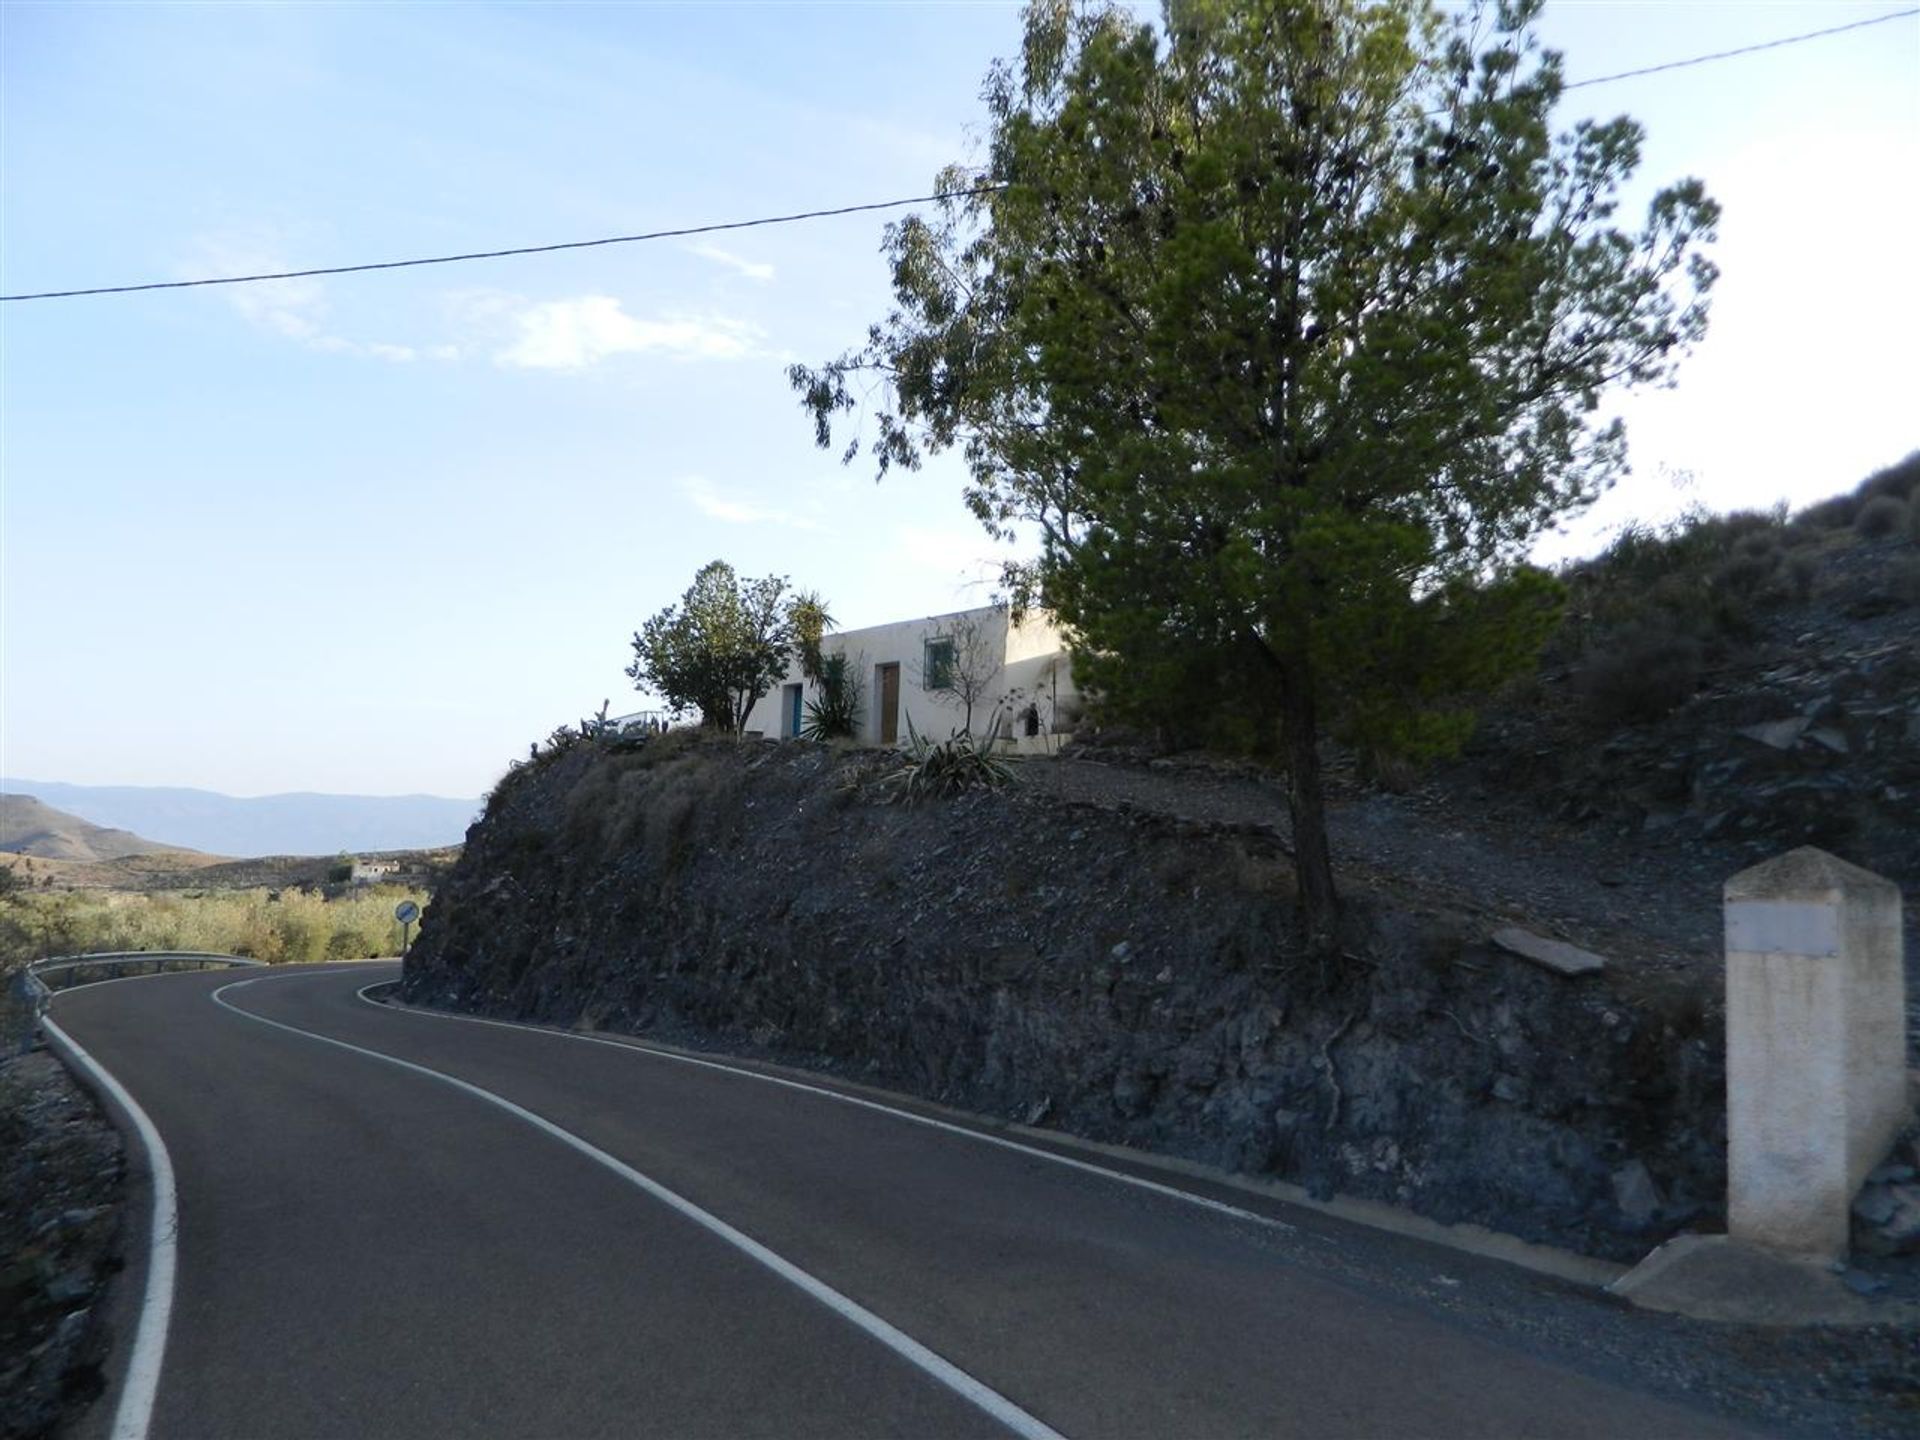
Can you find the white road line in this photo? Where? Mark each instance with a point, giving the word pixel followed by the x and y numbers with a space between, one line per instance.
pixel 135 1413
pixel 944 1371
pixel 1172 1192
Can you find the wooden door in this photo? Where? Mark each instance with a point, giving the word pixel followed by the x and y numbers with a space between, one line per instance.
pixel 887 679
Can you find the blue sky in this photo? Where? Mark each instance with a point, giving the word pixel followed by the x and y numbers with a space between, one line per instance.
pixel 375 533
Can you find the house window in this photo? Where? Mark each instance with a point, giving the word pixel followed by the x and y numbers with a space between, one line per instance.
pixel 939 664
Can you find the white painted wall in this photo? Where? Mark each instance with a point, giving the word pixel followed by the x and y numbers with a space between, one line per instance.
pixel 1036 666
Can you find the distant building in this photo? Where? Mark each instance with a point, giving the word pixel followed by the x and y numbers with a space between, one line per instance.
pixel 1019 675
pixel 371 872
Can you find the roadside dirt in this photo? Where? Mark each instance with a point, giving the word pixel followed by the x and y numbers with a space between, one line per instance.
pixel 61 1179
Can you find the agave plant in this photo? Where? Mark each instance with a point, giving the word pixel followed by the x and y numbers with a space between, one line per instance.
pixel 949 767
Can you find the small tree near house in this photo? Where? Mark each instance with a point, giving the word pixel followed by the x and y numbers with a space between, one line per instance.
pixel 720 649
pixel 961 666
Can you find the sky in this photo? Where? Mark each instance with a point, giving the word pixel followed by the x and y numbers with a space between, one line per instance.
pixel 375 533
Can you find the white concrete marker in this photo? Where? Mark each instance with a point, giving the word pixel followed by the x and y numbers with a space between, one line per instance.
pixel 142 1383
pixel 905 1346
pixel 1816 1046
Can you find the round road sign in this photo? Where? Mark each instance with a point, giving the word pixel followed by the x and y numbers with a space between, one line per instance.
pixel 406 912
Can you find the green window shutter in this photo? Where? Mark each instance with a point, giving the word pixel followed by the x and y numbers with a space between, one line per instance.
pixel 938 666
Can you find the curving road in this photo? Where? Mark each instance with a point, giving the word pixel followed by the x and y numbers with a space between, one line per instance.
pixel 514 1232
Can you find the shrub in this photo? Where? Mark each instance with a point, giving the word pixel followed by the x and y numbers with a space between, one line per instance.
pixel 1900 480
pixel 1747 573
pixel 1802 567
pixel 1880 517
pixel 1834 514
pixel 1641 676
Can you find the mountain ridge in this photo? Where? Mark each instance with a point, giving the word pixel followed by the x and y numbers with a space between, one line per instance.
pixel 290 823
pixel 30 826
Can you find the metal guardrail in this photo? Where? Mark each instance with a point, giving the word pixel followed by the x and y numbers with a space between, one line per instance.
pixel 39 992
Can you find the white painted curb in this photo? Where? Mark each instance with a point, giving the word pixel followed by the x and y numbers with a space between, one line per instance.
pixel 142 1381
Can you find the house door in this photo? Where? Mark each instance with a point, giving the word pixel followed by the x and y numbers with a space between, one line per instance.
pixel 794 723
pixel 886 681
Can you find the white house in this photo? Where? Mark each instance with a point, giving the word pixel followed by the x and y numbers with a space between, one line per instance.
pixel 1017 674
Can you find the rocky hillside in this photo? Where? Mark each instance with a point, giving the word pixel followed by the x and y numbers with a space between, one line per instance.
pixel 1102 946
pixel 1122 975
pixel 1750 680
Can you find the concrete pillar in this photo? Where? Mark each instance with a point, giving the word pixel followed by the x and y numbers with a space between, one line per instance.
pixel 1816 1046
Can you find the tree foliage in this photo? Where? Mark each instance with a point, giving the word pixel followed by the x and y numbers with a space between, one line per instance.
pixel 720 649
pixel 811 622
pixel 1285 328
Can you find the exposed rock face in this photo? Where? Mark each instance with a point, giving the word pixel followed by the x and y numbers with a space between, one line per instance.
pixel 1814 742
pixel 1120 976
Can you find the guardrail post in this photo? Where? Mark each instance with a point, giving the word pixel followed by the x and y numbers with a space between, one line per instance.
pixel 1816 1046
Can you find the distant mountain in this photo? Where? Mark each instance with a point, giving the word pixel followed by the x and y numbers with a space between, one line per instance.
pixel 28 826
pixel 297 824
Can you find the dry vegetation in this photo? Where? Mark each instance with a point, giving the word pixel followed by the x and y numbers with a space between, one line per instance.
pixel 1660 609
pixel 273 925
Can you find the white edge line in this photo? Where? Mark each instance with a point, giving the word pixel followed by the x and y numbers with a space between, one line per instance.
pixel 945 1371
pixel 1219 1207
pixel 142 1382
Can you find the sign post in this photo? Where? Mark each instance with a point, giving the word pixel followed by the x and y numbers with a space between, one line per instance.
pixel 406 912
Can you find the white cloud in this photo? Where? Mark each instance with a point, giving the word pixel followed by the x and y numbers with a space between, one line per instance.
pixel 962 553
pixel 294 309
pixel 573 334
pixel 711 503
pixel 752 269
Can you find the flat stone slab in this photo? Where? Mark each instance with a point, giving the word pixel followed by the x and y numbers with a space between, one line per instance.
pixel 1780 734
pixel 1714 1277
pixel 1556 955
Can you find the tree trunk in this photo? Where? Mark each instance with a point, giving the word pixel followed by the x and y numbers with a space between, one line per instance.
pixel 1306 806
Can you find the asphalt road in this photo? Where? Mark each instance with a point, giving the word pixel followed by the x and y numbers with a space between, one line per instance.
pixel 589 1239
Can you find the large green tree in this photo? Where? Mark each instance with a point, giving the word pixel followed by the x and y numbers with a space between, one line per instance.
pixel 721 648
pixel 1284 327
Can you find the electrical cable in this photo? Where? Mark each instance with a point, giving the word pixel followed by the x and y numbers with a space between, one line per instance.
pixel 823 214
pixel 1744 49
pixel 517 250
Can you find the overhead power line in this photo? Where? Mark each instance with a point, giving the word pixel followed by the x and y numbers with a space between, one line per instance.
pixel 517 250
pixel 687 230
pixel 1744 49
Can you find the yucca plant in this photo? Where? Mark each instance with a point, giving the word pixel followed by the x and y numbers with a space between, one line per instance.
pixel 835 713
